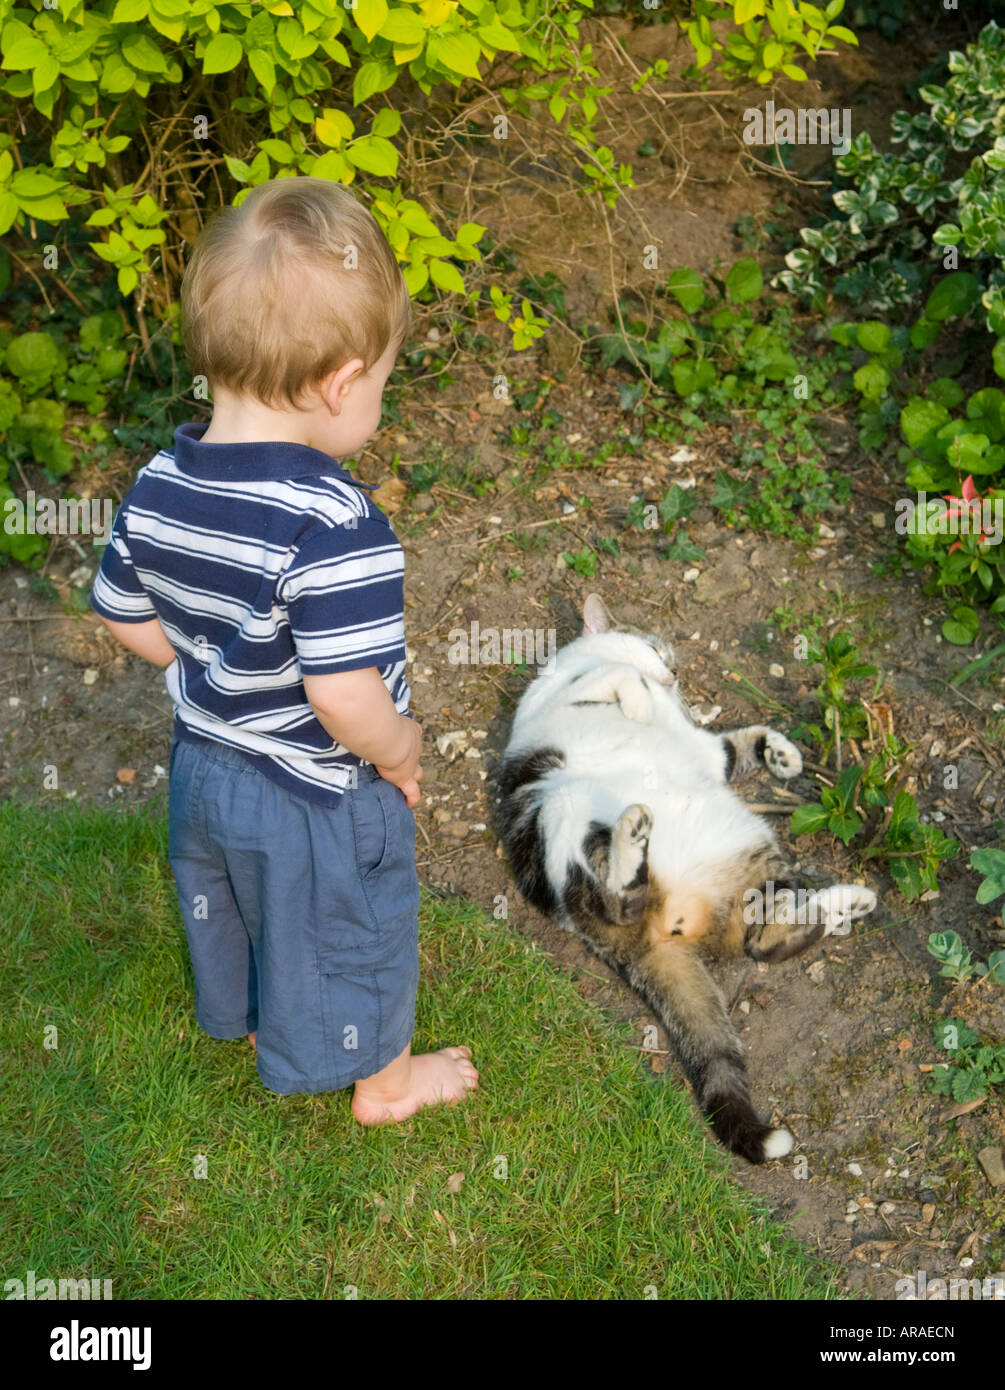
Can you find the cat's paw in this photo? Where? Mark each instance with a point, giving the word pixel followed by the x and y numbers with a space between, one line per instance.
pixel 782 758
pixel 636 702
pixel 635 825
pixel 840 905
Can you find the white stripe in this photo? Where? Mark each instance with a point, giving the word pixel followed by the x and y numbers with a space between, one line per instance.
pixel 334 502
pixel 119 601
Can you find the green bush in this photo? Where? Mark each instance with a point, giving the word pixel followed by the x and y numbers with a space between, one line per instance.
pixel 903 219
pixel 128 121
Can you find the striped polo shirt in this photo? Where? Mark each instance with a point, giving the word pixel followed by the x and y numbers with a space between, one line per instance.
pixel 264 563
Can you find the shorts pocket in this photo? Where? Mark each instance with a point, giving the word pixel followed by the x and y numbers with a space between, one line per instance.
pixel 392 885
pixel 355 843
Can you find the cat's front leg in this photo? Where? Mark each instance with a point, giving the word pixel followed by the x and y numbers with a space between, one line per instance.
pixel 615 887
pixel 615 685
pixel 758 746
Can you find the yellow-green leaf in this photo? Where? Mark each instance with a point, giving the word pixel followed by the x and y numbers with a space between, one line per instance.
pixel 496 35
pixel 374 155
pixel 370 16
pixel 403 26
pixel 328 132
pixel 416 276
pixel 446 276
pixel 458 53
pixel 223 53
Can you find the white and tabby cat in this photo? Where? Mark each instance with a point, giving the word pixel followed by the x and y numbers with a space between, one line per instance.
pixel 618 821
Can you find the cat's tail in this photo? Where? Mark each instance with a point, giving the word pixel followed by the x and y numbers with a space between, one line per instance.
pixel 673 980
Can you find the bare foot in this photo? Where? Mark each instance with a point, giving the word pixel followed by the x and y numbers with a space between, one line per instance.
pixel 410 1083
pixel 251 1039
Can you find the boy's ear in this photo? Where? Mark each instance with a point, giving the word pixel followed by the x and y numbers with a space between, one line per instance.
pixel 334 388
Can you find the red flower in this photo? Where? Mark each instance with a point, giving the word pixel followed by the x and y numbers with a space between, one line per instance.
pixel 969 495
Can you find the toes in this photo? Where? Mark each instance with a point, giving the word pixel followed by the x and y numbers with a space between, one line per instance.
pixel 637 822
pixel 457 1052
pixel 843 904
pixel 783 758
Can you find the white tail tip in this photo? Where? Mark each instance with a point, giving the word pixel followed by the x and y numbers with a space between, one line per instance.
pixel 778 1143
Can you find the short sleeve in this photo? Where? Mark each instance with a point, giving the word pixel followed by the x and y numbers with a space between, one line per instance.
pixel 117 593
pixel 344 598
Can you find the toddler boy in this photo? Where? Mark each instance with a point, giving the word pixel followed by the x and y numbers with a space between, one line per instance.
pixel 257 571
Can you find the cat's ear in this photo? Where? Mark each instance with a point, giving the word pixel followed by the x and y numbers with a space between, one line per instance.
pixel 595 615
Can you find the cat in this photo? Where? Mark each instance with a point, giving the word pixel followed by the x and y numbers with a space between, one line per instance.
pixel 618 821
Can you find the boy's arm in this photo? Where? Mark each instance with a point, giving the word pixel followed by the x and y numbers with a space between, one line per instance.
pixel 356 708
pixel 148 640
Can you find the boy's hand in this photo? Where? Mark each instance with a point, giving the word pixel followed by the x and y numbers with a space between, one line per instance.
pixel 356 709
pixel 407 773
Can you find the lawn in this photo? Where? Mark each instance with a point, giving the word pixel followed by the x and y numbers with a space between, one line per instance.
pixel 571 1174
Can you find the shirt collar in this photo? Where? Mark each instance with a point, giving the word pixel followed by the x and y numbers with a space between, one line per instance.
pixel 270 461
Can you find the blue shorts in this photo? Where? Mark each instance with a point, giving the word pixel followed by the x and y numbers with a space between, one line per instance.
pixel 302 921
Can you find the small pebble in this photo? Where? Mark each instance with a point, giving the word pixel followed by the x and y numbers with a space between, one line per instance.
pixel 690 576
pixel 775 670
pixel 90 676
pixel 855 1169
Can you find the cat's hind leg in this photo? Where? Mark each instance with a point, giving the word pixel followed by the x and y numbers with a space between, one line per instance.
pixel 789 919
pixel 758 746
pixel 774 916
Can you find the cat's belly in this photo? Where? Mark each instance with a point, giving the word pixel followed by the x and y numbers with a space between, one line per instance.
pixel 697 819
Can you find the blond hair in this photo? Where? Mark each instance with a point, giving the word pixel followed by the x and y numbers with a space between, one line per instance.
pixel 287 288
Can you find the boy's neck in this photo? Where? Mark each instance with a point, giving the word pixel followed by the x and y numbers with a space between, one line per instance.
pixel 246 420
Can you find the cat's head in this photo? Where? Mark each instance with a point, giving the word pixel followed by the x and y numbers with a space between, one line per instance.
pixel 648 651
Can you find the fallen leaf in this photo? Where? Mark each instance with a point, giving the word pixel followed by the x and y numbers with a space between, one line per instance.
pixel 454 1182
pixel 963 1107
pixel 391 493
pixel 126 775
pixel 904 1045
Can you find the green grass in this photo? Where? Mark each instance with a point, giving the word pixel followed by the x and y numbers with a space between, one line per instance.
pixel 584 1177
